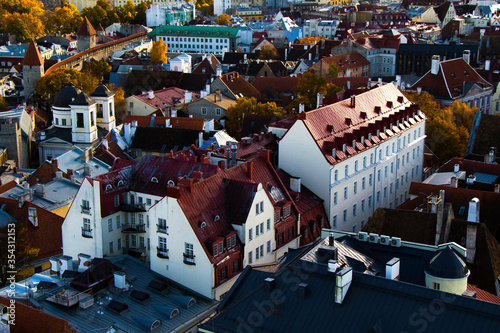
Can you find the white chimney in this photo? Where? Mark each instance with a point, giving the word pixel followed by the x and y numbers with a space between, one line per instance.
pixel 435 64
pixel 83 262
pixel 310 56
pixel 466 56
pixel 126 132
pixel 487 65
pixel 398 80
pixel 295 184
pixel 471 179
pixel 188 95
pixel 55 266
pixel 332 265
pixel 200 139
pixel 59 174
pixel 66 263
pixel 456 168
pixel 379 80
pixel 343 280
pixel 348 84
pixel 473 215
pixel 121 280
pixel 392 269
pixel 419 90
pixel 151 94
pixel 319 100
pixel 301 107
pixel 174 113
pixel 167 123
pixel 454 182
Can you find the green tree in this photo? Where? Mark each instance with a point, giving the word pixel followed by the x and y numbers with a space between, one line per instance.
pixel 49 85
pixel 268 52
pixel 158 53
pixel 223 19
pixel 307 90
pixel 97 69
pixel 333 70
pixel 447 128
pixel 249 105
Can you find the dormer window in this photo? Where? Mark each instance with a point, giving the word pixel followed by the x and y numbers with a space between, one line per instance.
pixel 353 143
pixel 121 183
pixel 203 224
pixel 109 187
pixel 216 218
pixel 369 137
pixel 286 211
pixel 277 216
pixel 154 180
pixel 362 139
pixel 170 183
pixel 343 147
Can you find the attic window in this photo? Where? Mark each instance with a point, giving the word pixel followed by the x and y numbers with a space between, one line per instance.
pixel 121 183
pixel 203 224
pixel 154 180
pixel 109 187
pixel 170 183
pixel 466 73
pixel 216 218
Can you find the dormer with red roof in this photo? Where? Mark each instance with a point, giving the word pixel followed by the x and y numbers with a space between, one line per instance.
pixel 32 68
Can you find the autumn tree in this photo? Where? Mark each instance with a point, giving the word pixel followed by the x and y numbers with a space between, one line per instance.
pixel 310 40
pixel 447 127
pixel 268 52
pixel 97 69
pixel 205 6
pixel 333 70
pixel 159 53
pixel 223 19
pixel 63 20
pixel 307 90
pixel 24 25
pixel 119 99
pixel 49 85
pixel 3 104
pixel 249 105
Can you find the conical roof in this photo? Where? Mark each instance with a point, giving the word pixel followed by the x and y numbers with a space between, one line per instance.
pixel 82 99
pixel 32 57
pixel 101 91
pixel 86 28
pixel 66 95
pixel 447 264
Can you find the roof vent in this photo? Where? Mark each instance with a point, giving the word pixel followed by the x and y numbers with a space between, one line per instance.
pixel 348 121
pixel 389 104
pixel 400 99
pixel 268 284
pixel 303 290
pixel 363 115
pixel 377 109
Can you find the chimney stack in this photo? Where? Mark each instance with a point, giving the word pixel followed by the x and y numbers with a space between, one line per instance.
pixel 487 64
pixel 473 215
pixel 234 149
pixel 250 170
pixel 454 182
pixel 435 64
pixel 343 281
pixel 392 269
pixel 466 56
pixel 470 243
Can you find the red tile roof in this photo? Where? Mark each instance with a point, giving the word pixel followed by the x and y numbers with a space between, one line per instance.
pixel 450 81
pixel 86 28
pixel 158 121
pixel 47 236
pixel 28 319
pixel 7 186
pixel 471 167
pixel 32 57
pixel 169 96
pixel 337 124
pixel 343 62
pixel 484 295
pixel 238 85
pixel 285 84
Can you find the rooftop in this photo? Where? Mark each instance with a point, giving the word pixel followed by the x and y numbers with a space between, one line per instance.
pixel 195 30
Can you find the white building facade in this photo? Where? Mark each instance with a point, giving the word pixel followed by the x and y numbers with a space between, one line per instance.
pixel 363 153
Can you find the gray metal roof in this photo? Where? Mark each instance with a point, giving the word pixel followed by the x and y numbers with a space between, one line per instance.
pixel 74 160
pixel 88 320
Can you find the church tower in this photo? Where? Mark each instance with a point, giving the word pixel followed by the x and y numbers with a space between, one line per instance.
pixel 105 106
pixel 83 120
pixel 32 69
pixel 86 36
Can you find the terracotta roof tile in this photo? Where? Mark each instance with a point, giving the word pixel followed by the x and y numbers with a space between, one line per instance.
pixel 484 295
pixel 32 57
pixel 86 28
pixel 238 85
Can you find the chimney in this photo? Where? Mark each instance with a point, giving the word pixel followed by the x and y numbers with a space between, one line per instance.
pixel 234 149
pixel 265 154
pixel 487 65
pixel 200 139
pixel 43 190
pixel 188 95
pixel 302 290
pixel 268 284
pixel 379 80
pixel 198 175
pixel 398 81
pixel 490 157
pixel 435 64
pixel 65 263
pixel 185 182
pixel 348 84
pixel 473 215
pixel 55 165
pixel 151 94
pixel 83 262
pixel 86 170
pixel 54 266
pixel 466 56
pixel 497 188
pixel 301 108
pixel 353 101
pixel 59 174
pixel 471 180
pixel 319 100
pixel 331 240
pixel 392 269
pixel 419 90
pixel 332 265
pixel 295 184
pixel 470 242
pixel 120 280
pixel 310 56
pixel 221 165
pixel 343 280
pixel 218 94
pixel 250 170
pixel 456 168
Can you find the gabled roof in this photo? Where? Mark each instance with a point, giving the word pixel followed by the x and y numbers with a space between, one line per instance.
pixel 32 57
pixel 164 97
pixel 238 85
pixel 285 84
pixel 451 80
pixel 86 28
pixel 485 133
pixel 204 67
pixel 164 140
pixel 442 9
pixel 340 123
pixel 159 121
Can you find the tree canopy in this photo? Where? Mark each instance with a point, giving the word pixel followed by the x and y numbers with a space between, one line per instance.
pixel 205 6
pixel 159 53
pixel 223 19
pixel 249 105
pixel 268 52
pixel 63 20
pixel 3 104
pixel 307 90
pixel 97 69
pixel 310 40
pixel 447 127
pixel 333 70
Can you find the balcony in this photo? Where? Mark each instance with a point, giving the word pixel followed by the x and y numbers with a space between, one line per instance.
pixel 133 228
pixel 134 208
pixel 162 229
pixel 162 253
pixel 85 209
pixel 189 259
pixel 86 232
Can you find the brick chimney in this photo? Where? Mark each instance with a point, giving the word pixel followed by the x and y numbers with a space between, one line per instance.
pixel 250 170
pixel 185 183
pixel 265 154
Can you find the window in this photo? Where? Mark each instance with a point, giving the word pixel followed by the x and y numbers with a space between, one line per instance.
pixel 110 225
pixel 392 167
pixel 119 244
pixel 355 166
pixel 259 207
pixel 378 175
pixel 370 180
pixel 345 193
pixel 345 215
pixel 250 258
pixel 385 192
pixel 141 242
pixel 118 222
pixel 355 187
pixel 268 246
pixel 363 205
pixel 86 231
pixel 79 120
pixel 162 226
pixel 262 228
pixel 261 248
pixel 92 119
pixel 134 241
pixel 306 232
pixel 385 171
pixel 162 250
pixel 203 111
pixel 85 206
pixel 250 232
pixel 188 254
pixel 335 221
pixel 435 285
pixel 335 195
pixel 141 219
pixel 346 170
pixel 369 201
pixel 63 122
pixel 218 112
pixel 363 181
pixel 117 200
pixel 268 224
pixel 111 247
pixel 364 162
pixel 354 209
pixel 336 175
pixel 257 233
pixel 378 196
pixel 277 216
pixel 148 202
